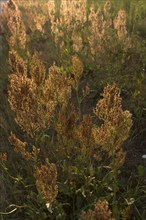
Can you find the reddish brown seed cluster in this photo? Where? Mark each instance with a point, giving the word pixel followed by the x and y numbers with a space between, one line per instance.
pixel 101 212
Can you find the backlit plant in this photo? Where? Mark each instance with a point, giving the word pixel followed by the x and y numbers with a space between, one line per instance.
pixel 42 104
pixel 71 158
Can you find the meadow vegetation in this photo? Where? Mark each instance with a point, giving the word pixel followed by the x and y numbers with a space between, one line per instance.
pixel 76 86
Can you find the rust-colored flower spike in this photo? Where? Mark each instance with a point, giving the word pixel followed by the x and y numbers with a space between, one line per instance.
pixel 17 64
pixel 118 160
pixel 109 107
pixel 77 42
pixel 120 24
pixel 20 147
pixel 116 122
pixel 77 68
pixel 37 70
pixel 89 215
pixel 12 19
pixel 127 213
pixel 23 101
pixel 11 4
pixel 72 14
pixel 3 157
pixel 33 113
pixel 35 105
pixel 57 86
pixel 84 133
pixel 107 7
pixel 101 212
pixel 46 176
pixel 96 30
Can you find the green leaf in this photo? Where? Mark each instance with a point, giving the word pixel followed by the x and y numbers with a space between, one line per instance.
pixel 141 170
